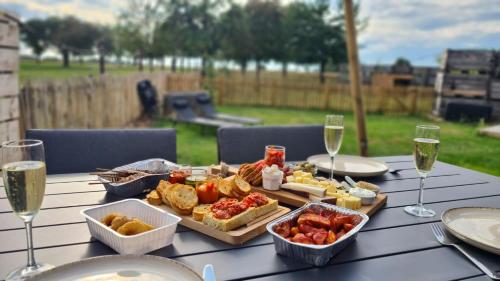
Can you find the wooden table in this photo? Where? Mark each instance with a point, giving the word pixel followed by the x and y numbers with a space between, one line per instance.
pixel 392 246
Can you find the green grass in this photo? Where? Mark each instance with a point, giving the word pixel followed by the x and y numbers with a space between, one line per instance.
pixel 387 135
pixel 30 69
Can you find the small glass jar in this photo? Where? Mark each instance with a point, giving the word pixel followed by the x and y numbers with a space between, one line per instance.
pixel 275 154
pixel 197 177
pixel 179 175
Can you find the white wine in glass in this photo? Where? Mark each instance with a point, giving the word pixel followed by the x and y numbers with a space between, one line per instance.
pixel 23 172
pixel 333 133
pixel 425 151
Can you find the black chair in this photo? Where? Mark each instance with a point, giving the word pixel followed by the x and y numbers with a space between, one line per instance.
pixel 181 111
pixel 207 109
pixel 83 150
pixel 148 96
pixel 240 145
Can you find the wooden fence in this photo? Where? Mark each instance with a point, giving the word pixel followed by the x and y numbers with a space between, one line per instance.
pixel 9 66
pixel 310 94
pixel 94 102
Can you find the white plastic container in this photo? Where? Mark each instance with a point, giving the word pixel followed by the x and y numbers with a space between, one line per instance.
pixel 162 236
pixel 272 178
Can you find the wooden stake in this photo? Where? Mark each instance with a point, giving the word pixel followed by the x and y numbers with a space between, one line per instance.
pixel 354 71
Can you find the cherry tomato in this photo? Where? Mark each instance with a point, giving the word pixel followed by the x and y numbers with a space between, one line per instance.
pixel 207 193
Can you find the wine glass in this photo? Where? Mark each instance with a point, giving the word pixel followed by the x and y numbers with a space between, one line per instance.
pixel 425 151
pixel 23 168
pixel 334 131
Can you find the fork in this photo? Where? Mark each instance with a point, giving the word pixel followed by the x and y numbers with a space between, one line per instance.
pixel 446 239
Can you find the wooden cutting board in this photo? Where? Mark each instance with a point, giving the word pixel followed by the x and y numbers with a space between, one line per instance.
pixel 234 237
pixel 295 200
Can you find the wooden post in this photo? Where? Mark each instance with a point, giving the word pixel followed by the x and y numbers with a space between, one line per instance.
pixel 9 66
pixel 357 101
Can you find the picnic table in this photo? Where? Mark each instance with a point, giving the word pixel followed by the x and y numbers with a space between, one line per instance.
pixel 392 246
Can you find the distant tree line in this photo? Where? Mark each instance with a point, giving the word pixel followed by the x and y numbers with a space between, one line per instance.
pixel 302 32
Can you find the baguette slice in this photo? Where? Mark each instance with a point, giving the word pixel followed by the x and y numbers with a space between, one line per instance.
pixel 163 189
pixel 200 211
pixel 225 187
pixel 183 199
pixel 240 219
pixel 242 186
pixel 154 198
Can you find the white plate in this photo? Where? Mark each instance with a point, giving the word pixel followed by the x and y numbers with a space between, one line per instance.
pixel 479 227
pixel 347 165
pixel 122 268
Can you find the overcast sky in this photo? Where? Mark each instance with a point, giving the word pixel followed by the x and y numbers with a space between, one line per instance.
pixel 419 30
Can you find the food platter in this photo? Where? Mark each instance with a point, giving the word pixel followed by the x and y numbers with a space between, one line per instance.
pixel 476 226
pixel 349 165
pixel 235 217
pixel 126 268
pixel 298 200
pixel 234 237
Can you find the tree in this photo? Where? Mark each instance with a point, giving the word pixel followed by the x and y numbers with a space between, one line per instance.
pixel 70 35
pixel 265 24
pixel 104 46
pixel 35 34
pixel 140 20
pixel 235 38
pixel 314 37
pixel 206 38
pixel 402 65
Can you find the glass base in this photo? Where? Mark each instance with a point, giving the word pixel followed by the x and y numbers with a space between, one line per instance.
pixel 24 272
pixel 419 211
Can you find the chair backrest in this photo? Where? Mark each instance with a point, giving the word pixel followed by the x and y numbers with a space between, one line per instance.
pixel 84 150
pixel 205 105
pixel 247 144
pixel 180 105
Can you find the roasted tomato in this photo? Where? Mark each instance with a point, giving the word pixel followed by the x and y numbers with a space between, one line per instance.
pixel 301 238
pixel 255 199
pixel 331 237
pixel 304 228
pixel 227 208
pixel 207 193
pixel 337 222
pixel 320 237
pixel 283 229
pixel 314 220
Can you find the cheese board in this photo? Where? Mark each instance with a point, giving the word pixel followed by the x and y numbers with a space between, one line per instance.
pixel 234 237
pixel 296 199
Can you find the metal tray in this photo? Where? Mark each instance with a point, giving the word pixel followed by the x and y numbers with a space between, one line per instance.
pixel 161 167
pixel 317 255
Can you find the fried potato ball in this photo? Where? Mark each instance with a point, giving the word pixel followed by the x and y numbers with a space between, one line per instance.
pixel 119 221
pixel 134 227
pixel 107 220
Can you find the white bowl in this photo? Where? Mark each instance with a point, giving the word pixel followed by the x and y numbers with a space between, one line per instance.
pixel 162 236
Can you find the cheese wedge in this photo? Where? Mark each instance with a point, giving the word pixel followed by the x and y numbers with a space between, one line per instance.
pixel 314 190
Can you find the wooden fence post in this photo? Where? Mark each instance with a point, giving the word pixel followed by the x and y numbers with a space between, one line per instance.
pixel 9 88
pixel 354 70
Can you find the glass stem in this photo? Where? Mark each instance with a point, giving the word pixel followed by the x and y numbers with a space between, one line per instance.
pixel 421 192
pixel 332 157
pixel 29 241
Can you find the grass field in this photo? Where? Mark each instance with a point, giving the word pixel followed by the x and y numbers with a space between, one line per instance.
pixel 30 69
pixel 388 135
